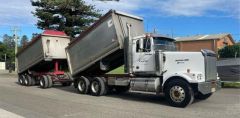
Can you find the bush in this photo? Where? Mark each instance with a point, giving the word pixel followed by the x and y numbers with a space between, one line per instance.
pixel 229 51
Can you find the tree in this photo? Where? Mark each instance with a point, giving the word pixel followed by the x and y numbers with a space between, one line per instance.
pixel 70 16
pixel 8 41
pixel 7 48
pixel 230 51
pixel 24 41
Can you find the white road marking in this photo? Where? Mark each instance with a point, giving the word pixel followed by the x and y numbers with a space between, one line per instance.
pixel 7 114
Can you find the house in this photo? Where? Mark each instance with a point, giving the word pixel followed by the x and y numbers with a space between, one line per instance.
pixel 196 43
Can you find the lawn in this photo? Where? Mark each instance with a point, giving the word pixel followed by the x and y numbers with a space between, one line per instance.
pixel 119 70
pixel 231 85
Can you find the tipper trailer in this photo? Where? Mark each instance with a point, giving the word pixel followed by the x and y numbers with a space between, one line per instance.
pixel 118 39
pixel 43 61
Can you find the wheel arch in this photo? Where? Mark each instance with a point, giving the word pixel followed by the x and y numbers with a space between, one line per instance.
pixel 172 78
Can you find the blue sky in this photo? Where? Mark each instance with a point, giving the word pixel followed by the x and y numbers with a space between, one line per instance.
pixel 169 17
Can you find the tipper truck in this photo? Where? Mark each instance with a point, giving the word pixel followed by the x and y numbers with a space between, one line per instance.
pixel 150 64
pixel 43 61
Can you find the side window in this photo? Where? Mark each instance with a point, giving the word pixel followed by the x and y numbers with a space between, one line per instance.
pixel 138 46
pixel 147 45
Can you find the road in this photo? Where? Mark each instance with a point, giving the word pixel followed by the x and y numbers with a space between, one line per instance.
pixel 64 102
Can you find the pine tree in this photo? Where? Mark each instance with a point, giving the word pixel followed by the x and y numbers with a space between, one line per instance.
pixel 71 16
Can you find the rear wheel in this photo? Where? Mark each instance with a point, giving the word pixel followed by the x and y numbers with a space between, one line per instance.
pixel 97 86
pixel 21 79
pixel 50 82
pixel 179 93
pixel 83 85
pixel 44 82
pixel 28 80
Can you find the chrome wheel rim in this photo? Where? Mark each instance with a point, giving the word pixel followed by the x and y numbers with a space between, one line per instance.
pixel 81 85
pixel 26 82
pixel 21 81
pixel 177 94
pixel 95 87
pixel 41 82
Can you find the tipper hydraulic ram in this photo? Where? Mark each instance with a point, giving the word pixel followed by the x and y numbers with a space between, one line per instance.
pixel 150 64
pixel 43 61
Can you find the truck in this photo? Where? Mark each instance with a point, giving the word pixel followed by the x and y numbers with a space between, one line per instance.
pixel 43 61
pixel 150 64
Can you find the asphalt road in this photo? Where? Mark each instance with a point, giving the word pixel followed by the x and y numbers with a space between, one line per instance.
pixel 34 102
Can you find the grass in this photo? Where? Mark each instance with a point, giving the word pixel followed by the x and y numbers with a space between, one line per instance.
pixel 231 85
pixel 119 70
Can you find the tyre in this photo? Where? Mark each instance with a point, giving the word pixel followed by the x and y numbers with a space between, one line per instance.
pixel 201 96
pixel 121 89
pixel 82 85
pixel 179 93
pixel 21 79
pixel 28 80
pixel 97 87
pixel 50 82
pixel 44 82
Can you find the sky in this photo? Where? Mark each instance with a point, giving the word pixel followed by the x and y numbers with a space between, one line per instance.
pixel 168 17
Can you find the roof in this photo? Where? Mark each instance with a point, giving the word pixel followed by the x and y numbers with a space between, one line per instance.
pixel 54 32
pixel 203 37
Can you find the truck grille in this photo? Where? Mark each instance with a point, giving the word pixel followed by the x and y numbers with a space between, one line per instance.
pixel 210 68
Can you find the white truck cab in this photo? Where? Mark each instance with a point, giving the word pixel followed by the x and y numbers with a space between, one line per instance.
pixel 158 67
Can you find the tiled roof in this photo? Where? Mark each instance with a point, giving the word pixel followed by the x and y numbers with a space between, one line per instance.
pixel 54 32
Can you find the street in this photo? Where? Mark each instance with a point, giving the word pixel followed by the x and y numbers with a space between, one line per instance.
pixel 34 102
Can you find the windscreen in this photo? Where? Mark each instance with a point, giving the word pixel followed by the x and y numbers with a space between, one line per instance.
pixel 166 44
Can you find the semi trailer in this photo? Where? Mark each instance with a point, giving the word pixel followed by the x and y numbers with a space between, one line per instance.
pixel 150 65
pixel 43 61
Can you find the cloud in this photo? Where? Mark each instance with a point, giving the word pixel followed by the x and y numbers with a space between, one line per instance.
pixel 221 8
pixel 16 13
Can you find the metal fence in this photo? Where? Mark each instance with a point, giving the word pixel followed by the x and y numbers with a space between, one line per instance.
pixel 229 69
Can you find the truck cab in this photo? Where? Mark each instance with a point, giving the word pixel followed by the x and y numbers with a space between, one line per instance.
pixel 181 76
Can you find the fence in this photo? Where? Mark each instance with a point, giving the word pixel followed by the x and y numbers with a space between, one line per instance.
pixel 229 69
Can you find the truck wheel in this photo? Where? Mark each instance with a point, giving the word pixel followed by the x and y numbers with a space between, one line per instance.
pixel 121 89
pixel 83 85
pixel 97 87
pixel 43 82
pixel 21 79
pixel 50 82
pixel 28 80
pixel 201 96
pixel 179 93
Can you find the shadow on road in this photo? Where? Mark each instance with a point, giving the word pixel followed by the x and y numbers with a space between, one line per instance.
pixel 131 96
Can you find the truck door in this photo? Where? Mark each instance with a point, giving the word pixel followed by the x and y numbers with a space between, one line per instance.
pixel 143 56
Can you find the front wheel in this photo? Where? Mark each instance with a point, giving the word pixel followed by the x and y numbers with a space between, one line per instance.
pixel 179 93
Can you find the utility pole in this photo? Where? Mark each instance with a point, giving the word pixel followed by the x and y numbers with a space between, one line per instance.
pixel 15 30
